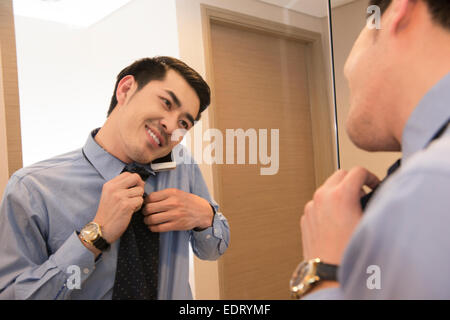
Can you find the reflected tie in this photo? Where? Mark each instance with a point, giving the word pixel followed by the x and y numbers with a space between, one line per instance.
pixel 365 199
pixel 138 259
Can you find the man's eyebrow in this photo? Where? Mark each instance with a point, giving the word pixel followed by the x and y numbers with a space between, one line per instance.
pixel 190 117
pixel 174 98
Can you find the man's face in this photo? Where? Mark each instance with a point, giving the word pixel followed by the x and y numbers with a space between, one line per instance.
pixel 150 120
pixel 368 69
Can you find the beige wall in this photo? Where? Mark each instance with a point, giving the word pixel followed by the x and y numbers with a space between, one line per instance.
pixel 3 144
pixel 348 21
pixel 10 142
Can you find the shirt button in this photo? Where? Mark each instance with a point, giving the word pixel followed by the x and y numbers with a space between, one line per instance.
pixel 208 237
pixel 86 270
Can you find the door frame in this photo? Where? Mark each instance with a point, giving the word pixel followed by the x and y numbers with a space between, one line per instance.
pixel 10 134
pixel 322 109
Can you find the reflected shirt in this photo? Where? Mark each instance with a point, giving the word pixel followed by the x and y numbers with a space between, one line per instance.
pixel 44 205
pixel 400 249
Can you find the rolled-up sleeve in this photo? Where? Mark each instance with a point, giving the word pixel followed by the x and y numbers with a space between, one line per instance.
pixel 27 269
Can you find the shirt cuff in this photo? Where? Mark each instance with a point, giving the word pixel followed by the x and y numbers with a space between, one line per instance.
pixel 209 232
pixel 73 256
pixel 325 294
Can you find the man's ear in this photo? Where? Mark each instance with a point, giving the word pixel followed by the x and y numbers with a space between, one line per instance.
pixel 402 12
pixel 125 89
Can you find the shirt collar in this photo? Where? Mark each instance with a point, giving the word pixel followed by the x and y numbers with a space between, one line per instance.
pixel 430 115
pixel 105 163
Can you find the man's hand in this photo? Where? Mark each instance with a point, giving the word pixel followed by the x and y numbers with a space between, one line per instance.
pixel 121 197
pixel 173 209
pixel 331 217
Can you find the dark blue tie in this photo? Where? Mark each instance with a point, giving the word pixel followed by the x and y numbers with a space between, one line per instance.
pixel 138 259
pixel 365 199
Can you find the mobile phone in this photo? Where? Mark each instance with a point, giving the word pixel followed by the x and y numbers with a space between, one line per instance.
pixel 164 163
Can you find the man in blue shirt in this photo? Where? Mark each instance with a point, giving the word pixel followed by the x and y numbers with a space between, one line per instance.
pixel 399 78
pixel 46 205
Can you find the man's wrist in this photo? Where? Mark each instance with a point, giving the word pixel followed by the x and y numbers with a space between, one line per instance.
pixel 90 247
pixel 213 211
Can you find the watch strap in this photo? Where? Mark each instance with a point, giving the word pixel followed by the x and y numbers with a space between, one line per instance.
pixel 101 244
pixel 327 271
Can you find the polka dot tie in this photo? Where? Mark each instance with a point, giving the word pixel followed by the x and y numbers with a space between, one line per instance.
pixel 138 260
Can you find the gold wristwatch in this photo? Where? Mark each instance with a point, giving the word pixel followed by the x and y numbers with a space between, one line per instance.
pixel 308 274
pixel 92 234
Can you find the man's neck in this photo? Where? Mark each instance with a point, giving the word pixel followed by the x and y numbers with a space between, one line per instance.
pixel 104 139
pixel 418 78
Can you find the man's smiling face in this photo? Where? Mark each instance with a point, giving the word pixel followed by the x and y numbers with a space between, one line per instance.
pixel 150 119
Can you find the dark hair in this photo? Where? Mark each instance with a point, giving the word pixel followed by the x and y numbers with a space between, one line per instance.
pixel 439 10
pixel 148 69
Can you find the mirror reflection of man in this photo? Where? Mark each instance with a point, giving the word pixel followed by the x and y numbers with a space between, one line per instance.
pixel 75 209
pixel 400 101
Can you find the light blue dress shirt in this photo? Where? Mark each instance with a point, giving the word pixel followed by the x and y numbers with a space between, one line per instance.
pixel 46 203
pixel 401 247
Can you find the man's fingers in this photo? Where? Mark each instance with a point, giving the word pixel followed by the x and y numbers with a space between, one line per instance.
pixel 137 203
pixel 164 227
pixel 155 207
pixel 158 218
pixel 159 195
pixel 127 180
pixel 135 192
pixel 335 178
pixel 359 177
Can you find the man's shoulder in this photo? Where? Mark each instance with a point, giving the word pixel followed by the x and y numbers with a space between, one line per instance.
pixel 434 160
pixel 49 167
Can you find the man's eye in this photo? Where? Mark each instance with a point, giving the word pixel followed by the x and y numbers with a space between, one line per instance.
pixel 184 124
pixel 167 103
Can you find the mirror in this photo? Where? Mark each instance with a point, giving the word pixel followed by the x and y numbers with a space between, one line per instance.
pixel 348 19
pixel 265 144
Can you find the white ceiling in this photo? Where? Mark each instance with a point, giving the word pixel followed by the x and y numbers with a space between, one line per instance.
pixel 316 8
pixel 77 13
pixel 83 13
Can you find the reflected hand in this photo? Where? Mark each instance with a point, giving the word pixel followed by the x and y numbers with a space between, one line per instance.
pixel 174 209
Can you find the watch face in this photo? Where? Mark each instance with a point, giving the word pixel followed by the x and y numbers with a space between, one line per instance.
pixel 298 276
pixel 302 278
pixel 90 232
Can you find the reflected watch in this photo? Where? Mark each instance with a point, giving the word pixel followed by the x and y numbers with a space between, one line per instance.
pixel 92 234
pixel 308 274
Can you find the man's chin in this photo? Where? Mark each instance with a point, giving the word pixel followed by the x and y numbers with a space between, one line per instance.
pixel 361 140
pixel 370 142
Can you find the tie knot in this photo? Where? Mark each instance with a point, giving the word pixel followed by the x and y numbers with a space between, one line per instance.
pixel 140 169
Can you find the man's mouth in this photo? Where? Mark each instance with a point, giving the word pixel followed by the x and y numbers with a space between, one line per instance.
pixel 157 139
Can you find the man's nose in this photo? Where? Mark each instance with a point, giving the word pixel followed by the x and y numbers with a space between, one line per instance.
pixel 169 124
